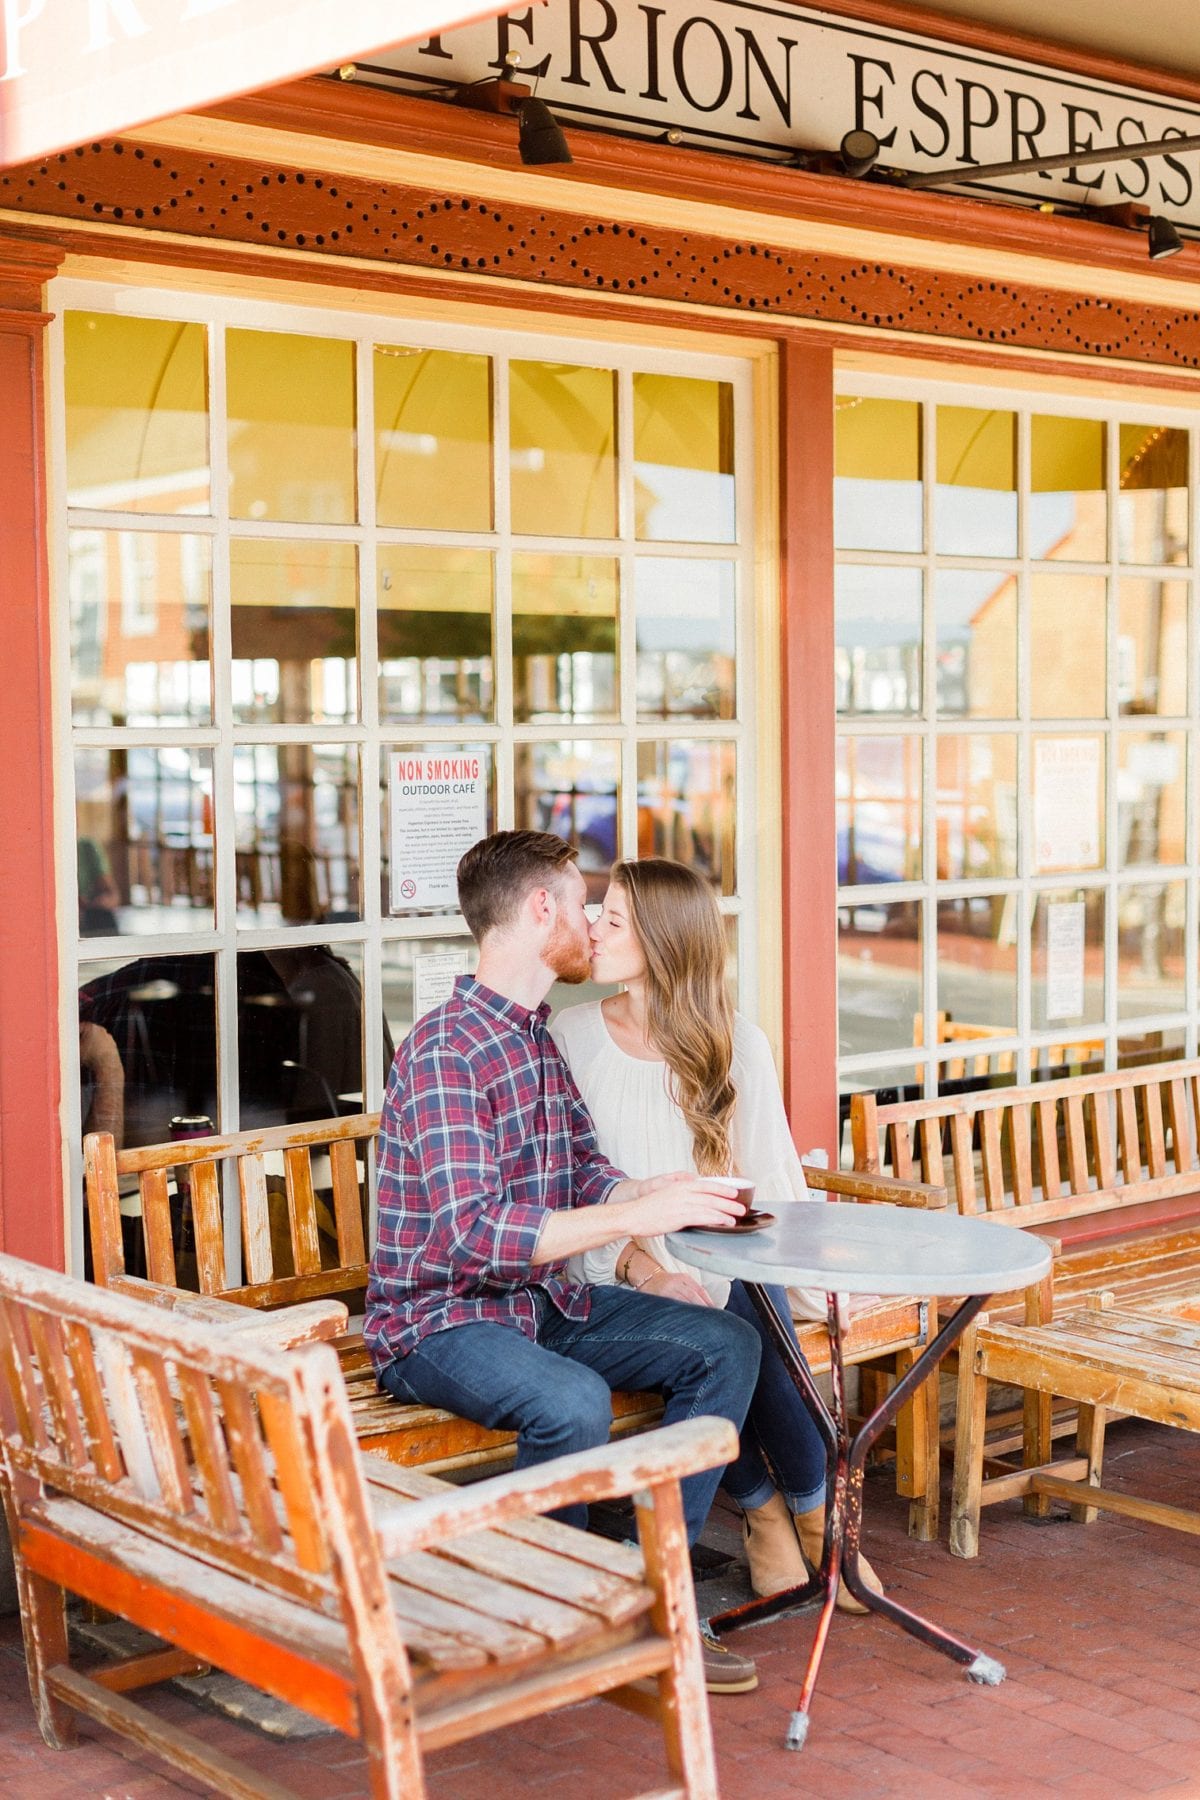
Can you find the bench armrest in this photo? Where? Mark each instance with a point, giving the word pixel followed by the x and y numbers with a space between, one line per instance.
pixel 317 1321
pixel 875 1190
pixel 587 1476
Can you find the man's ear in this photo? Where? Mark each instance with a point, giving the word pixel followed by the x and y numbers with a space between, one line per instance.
pixel 540 906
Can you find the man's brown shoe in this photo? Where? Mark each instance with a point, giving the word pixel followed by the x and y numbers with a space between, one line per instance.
pixel 726 1671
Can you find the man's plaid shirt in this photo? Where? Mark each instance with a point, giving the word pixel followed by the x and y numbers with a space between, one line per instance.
pixel 483 1135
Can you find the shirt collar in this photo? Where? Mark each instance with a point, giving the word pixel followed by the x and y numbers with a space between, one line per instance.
pixel 496 1006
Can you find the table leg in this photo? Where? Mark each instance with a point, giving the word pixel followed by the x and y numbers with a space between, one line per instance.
pixel 843 1510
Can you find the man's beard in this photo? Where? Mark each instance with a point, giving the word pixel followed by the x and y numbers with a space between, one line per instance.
pixel 568 955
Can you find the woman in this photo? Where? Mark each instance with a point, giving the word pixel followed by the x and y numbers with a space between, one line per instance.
pixel 674 1078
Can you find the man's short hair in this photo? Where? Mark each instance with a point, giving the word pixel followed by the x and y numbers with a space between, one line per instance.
pixel 498 872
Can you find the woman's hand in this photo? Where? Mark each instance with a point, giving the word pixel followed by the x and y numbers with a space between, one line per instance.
pixel 670 1286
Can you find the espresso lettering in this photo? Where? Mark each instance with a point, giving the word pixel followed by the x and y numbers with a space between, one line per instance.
pixel 782 95
pixel 505 25
pixel 434 47
pixel 1024 138
pixel 1173 162
pixel 1132 193
pixel 15 22
pixel 1074 142
pixel 593 40
pixel 652 91
pixel 931 112
pixel 723 51
pixel 125 16
pixel 971 121
pixel 862 99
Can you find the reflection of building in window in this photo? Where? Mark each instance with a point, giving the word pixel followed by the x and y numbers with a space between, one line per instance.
pixel 139 604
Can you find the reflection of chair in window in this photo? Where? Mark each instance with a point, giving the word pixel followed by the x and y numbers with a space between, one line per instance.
pixel 1000 1062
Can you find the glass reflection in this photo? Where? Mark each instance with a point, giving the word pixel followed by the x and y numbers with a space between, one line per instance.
pixel 137 414
pixel 976 805
pixel 147 1045
pixel 435 633
pixel 1151 819
pixel 878 487
pixel 572 789
pixel 1066 646
pixel 300 1037
pixel 294 629
pixel 977 965
pixel 1152 506
pixel 877 659
pixel 1068 803
pixel 144 840
pixel 683 459
pixel 291 437
pixel 976 497
pixel 1151 948
pixel 1137 1048
pixel 1068 500
pixel 140 604
pixel 879 975
pixel 433 439
pixel 686 807
pixel 564 634
pixel 562 457
pixel 685 638
pixel 878 787
pixel 976 623
pixel 296 833
pixel 1067 959
pixel 418 974
pixel 483 754
pixel 1152 646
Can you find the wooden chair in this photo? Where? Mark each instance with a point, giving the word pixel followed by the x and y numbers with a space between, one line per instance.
pixel 209 1489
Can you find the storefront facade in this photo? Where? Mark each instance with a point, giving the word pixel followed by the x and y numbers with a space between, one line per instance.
pixel 835 538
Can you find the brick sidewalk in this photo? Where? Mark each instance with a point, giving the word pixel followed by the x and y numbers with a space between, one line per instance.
pixel 1098 1626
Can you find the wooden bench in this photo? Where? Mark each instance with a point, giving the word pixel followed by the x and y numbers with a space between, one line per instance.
pixel 1104 1165
pixel 286 1258
pixel 986 1062
pixel 209 1491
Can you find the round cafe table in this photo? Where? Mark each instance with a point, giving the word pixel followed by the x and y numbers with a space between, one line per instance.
pixel 861 1249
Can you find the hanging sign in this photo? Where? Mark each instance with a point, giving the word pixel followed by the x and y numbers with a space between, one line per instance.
pixel 434 975
pixel 1064 960
pixel 437 805
pixel 1066 803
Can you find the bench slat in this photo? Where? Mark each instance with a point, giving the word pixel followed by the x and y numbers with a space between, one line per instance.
pixel 156 1223
pixel 1077 1165
pixel 1022 1155
pixel 302 1211
pixel 993 1160
pixel 256 1219
pixel 1156 1156
pixel 1181 1136
pixel 1100 1119
pixel 1047 1138
pixel 209 1227
pixel 1127 1136
pixel 963 1157
pixel 347 1202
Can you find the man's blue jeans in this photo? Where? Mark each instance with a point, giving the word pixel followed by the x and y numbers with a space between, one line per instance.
pixel 556 1394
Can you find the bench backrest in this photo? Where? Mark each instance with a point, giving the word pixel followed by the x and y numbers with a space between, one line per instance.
pixel 1028 1156
pixel 278 1267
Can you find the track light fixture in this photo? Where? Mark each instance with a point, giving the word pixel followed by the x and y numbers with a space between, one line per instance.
pixel 1164 240
pixel 859 151
pixel 540 137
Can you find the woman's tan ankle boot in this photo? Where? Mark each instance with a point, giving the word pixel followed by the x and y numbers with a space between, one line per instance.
pixel 771 1548
pixel 810 1529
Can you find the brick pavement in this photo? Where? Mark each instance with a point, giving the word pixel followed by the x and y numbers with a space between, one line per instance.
pixel 1099 1628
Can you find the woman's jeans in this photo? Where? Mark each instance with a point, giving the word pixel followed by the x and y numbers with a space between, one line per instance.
pixel 556 1393
pixel 781 1447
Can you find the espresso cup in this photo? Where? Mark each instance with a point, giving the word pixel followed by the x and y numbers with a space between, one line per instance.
pixel 746 1188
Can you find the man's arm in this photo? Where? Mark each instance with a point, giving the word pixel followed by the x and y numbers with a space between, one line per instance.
pixel 660 1204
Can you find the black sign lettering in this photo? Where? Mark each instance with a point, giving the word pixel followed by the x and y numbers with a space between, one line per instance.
pixel 973 121
pixel 862 99
pixel 652 91
pixel 1024 138
pixel 931 112
pixel 1132 193
pixel 1173 162
pixel 782 95
pixel 724 55
pixel 593 40
pixel 1075 142
pixel 507 23
pixel 434 47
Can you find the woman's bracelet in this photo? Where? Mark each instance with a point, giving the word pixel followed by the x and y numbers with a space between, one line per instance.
pixel 637 1286
pixel 623 1262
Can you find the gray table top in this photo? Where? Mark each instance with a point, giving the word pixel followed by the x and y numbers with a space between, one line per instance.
pixel 850 1249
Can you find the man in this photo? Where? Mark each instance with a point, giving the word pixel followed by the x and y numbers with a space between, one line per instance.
pixel 489 1179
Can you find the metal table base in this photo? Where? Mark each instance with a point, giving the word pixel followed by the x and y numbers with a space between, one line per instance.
pixel 843 1502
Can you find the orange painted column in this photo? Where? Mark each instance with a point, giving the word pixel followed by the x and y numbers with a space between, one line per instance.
pixel 31 1174
pixel 809 840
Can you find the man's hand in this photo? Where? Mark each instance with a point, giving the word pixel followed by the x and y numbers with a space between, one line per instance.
pixel 666 1203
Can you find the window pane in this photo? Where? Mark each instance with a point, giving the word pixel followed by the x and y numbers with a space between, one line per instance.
pixel 140 617
pixel 878 784
pixel 878 487
pixel 1151 821
pixel 879 975
pixel 300 1043
pixel 977 966
pixel 435 633
pixel 1068 803
pixel 137 414
pixel 1068 501
pixel 291 427
pixel 294 631
pixel 686 807
pixel 418 973
pixel 296 823
pixel 976 622
pixel 144 844
pixel 1066 646
pixel 147 1045
pixel 1067 942
pixel 572 789
pixel 976 499
pixel 1151 953
pixel 563 462
pixel 1152 506
pixel 976 806
pixel 564 635
pixel 683 459
pixel 484 754
pixel 877 659
pixel 685 638
pixel 433 439
pixel 1137 1048
pixel 1152 646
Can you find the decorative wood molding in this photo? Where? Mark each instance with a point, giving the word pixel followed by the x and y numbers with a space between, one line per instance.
pixel 26 265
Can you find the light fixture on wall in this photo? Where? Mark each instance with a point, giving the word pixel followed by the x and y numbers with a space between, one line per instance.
pixel 540 138
pixel 859 152
pixel 1164 240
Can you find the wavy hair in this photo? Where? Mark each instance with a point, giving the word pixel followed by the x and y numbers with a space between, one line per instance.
pixel 689 1018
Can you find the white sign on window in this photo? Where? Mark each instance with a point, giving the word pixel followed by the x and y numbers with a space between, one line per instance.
pixel 1066 803
pixel 1064 960
pixel 434 975
pixel 437 806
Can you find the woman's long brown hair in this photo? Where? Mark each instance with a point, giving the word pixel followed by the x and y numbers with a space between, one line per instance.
pixel 689 1019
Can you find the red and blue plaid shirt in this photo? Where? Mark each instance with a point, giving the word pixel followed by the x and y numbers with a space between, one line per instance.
pixel 483 1135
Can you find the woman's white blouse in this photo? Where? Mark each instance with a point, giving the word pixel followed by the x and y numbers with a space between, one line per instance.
pixel 641 1129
